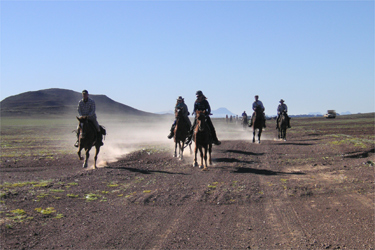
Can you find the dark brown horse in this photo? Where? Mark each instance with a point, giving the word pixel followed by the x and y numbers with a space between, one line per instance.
pixel 244 122
pixel 257 123
pixel 180 133
pixel 282 126
pixel 87 139
pixel 203 140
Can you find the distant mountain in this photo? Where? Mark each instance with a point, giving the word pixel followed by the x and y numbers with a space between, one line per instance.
pixel 345 113
pixel 168 112
pixel 221 112
pixel 315 114
pixel 60 101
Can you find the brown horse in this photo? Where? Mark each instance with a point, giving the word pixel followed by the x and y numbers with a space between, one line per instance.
pixel 180 133
pixel 282 126
pixel 203 140
pixel 244 122
pixel 87 139
pixel 257 123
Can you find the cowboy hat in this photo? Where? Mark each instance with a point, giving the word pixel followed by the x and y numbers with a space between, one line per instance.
pixel 282 100
pixel 180 98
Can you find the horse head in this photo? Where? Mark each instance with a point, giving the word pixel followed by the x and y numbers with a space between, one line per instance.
pixel 201 119
pixel 178 112
pixel 258 110
pixel 83 124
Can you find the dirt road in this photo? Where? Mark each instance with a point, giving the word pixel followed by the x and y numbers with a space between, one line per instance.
pixel 305 193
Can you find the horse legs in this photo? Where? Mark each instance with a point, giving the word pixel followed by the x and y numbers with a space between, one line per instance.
pixel 79 153
pixel 253 135
pixel 205 159
pixel 209 154
pixel 175 149
pixel 86 159
pixel 201 154
pixel 181 149
pixel 259 134
pixel 96 156
pixel 195 156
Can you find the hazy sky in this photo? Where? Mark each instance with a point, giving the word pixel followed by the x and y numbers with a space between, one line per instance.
pixel 316 55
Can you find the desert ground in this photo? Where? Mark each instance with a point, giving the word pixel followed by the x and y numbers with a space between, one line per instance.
pixel 313 191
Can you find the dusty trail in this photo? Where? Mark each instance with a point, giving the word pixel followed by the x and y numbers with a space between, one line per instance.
pixel 273 195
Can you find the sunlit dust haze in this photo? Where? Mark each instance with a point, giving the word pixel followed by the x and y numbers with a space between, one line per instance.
pixel 126 135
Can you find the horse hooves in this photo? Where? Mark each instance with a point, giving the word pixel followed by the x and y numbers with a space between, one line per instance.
pixel 195 164
pixel 201 167
pixel 84 166
pixel 81 158
pixel 205 169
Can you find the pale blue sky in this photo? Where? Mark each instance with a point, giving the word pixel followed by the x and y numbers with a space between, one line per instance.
pixel 316 55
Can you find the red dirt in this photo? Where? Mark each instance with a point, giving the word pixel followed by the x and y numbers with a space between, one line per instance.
pixel 306 193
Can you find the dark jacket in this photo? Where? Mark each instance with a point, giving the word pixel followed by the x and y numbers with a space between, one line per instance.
pixel 202 105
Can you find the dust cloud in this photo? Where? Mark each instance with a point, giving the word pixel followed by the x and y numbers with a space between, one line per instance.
pixel 127 135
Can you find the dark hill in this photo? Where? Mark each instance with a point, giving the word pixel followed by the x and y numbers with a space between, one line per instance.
pixel 61 101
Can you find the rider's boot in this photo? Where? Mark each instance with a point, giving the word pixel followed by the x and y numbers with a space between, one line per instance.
pixel 171 134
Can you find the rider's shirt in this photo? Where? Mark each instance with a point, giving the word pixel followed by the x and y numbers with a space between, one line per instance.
pixel 202 105
pixel 86 108
pixel 257 104
pixel 184 107
pixel 244 114
pixel 281 108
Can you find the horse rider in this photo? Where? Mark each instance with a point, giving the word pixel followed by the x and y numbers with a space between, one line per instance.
pixel 280 109
pixel 185 113
pixel 201 103
pixel 244 115
pixel 258 104
pixel 86 107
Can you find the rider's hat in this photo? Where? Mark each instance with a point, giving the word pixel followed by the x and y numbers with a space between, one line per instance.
pixel 199 93
pixel 180 98
pixel 282 100
pixel 85 91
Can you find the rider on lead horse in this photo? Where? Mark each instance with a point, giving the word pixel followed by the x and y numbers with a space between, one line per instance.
pixel 180 104
pixel 86 107
pixel 280 109
pixel 258 104
pixel 202 104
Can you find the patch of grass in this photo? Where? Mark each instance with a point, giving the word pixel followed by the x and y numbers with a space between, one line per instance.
pixel 113 185
pixel 57 190
pixel 72 195
pixel 46 211
pixel 18 211
pixel 92 197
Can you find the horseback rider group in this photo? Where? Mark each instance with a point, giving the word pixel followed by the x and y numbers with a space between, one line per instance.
pixel 201 104
pixel 86 107
pixel 280 109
